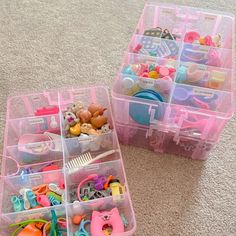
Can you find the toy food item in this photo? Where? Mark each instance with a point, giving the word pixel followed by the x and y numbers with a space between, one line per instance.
pixel 94 107
pixel 84 116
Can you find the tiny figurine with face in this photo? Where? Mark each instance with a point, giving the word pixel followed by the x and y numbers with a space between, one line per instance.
pixel 70 119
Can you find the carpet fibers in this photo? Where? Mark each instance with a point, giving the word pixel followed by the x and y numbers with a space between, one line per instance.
pixel 56 43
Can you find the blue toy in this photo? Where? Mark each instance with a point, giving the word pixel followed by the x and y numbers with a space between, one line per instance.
pixel 82 231
pixel 140 112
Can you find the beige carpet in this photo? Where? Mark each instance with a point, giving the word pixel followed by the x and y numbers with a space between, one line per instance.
pixel 55 43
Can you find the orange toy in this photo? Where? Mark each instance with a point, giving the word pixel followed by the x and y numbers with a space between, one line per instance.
pixel 41 189
pixel 94 107
pixel 31 230
pixel 84 116
pixel 98 120
pixel 77 219
pixel 106 185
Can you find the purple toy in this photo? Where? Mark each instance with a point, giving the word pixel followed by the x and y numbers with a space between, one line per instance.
pixel 99 182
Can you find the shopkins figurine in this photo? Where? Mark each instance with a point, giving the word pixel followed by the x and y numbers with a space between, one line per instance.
pixel 217 40
pixel 75 130
pixel 84 116
pixel 96 108
pixel 98 120
pixel 74 108
pixel 100 219
pixel 88 129
pixel 70 119
pixel 105 129
pixel 117 189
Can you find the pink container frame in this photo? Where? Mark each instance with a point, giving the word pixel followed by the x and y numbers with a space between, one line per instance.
pixel 20 119
pixel 187 129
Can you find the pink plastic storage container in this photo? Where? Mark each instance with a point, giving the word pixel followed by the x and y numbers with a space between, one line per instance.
pixel 35 140
pixel 174 91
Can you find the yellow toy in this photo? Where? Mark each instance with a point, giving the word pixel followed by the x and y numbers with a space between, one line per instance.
pixel 216 80
pixel 117 189
pixel 75 130
pixel 153 74
pixel 217 40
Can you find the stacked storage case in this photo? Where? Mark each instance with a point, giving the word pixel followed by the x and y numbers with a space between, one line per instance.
pixel 29 160
pixel 193 101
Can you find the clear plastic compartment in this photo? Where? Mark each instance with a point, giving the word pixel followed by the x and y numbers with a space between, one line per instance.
pixel 216 24
pixel 34 126
pixel 33 105
pixel 83 179
pixel 160 139
pixel 203 99
pixel 31 157
pixel 141 72
pixel 204 76
pixel 103 148
pixel 207 55
pixel 9 222
pixel 154 16
pixel 98 95
pixel 153 46
pixel 21 192
pixel 116 211
pixel 138 111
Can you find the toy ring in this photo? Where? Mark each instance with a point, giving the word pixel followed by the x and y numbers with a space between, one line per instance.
pixel 191 36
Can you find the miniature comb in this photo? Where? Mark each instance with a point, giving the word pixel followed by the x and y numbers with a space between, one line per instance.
pixel 85 159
